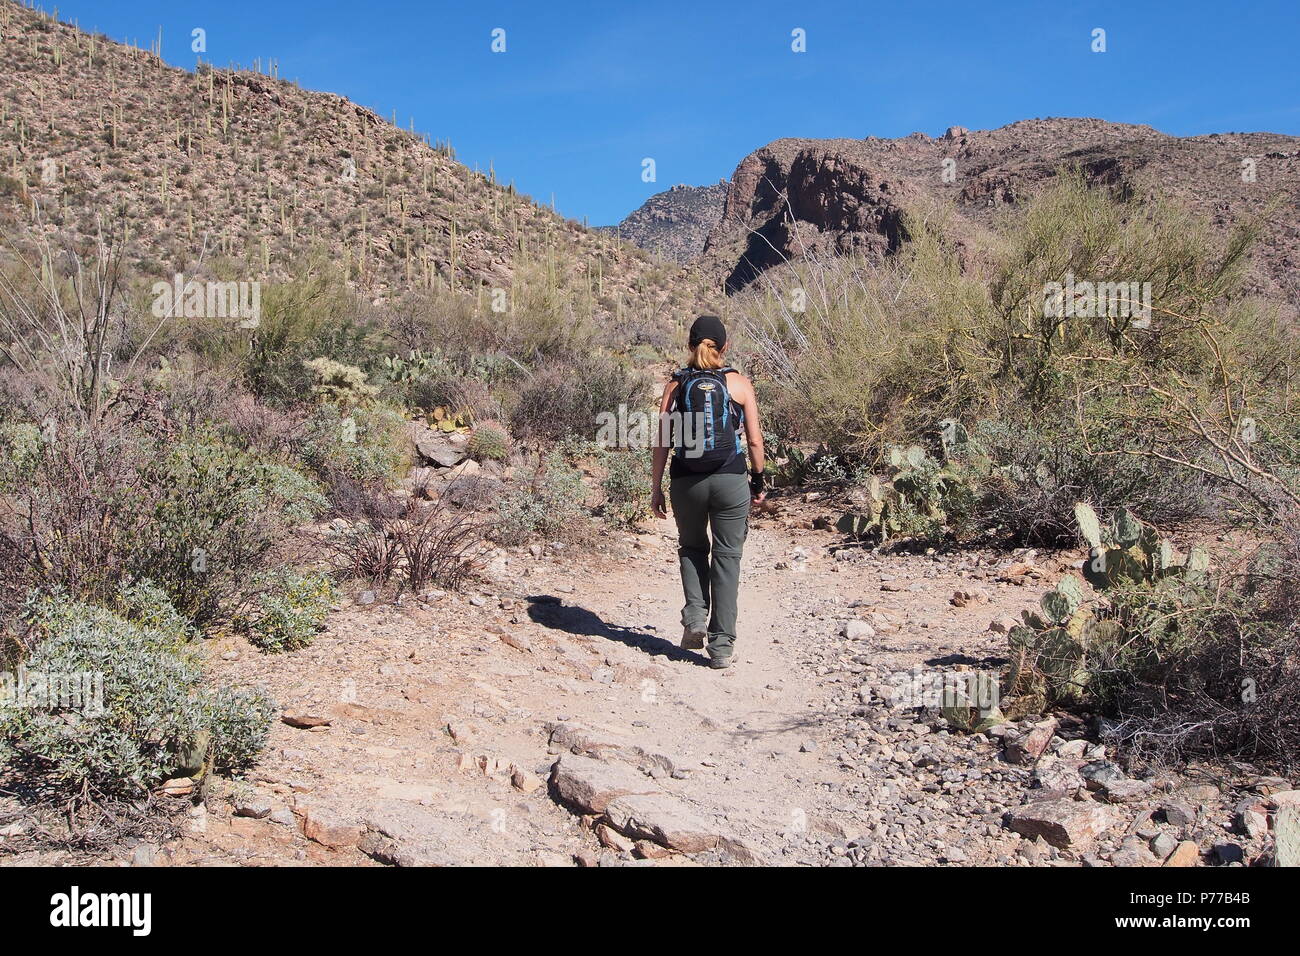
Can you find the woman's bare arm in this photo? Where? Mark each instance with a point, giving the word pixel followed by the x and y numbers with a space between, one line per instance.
pixel 753 429
pixel 659 456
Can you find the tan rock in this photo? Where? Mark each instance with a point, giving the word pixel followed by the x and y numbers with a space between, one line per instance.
pixel 663 818
pixel 304 721
pixel 328 829
pixel 1185 854
pixel 1029 747
pixel 1064 823
pixel 611 838
pixel 524 780
pixel 589 785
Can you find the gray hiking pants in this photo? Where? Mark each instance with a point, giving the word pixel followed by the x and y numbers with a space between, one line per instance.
pixel 711 570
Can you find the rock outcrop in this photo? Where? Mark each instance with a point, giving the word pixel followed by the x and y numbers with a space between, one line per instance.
pixel 795 198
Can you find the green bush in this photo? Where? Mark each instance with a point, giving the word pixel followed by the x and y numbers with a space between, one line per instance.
pixel 216 516
pixel 549 505
pixel 565 399
pixel 289 612
pixel 147 713
pixel 627 488
pixel 192 513
pixel 363 443
pixel 1030 476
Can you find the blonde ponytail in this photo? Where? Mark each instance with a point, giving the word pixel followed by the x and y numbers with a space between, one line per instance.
pixel 706 355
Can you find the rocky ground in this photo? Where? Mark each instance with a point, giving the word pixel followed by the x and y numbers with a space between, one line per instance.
pixel 548 717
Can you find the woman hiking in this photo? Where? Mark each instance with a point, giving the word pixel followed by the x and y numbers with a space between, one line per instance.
pixel 710 411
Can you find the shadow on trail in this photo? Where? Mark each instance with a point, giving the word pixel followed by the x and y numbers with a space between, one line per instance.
pixel 548 611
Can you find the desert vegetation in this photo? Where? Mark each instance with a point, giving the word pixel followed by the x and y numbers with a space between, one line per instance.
pixel 968 405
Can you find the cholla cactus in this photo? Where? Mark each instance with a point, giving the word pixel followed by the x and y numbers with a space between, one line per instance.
pixel 338 382
pixel 489 441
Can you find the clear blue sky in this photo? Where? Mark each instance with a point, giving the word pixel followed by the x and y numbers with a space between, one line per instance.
pixel 586 90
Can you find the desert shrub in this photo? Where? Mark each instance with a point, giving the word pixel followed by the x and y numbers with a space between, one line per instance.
pixel 880 353
pixel 360 443
pixel 239 722
pixel 313 315
pixel 158 719
pixel 626 487
pixel 216 515
pixel 125 502
pixel 549 503
pixel 289 610
pixel 1031 475
pixel 405 541
pixel 883 352
pixel 565 399
pixel 144 603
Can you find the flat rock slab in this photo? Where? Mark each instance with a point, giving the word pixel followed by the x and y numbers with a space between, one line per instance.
pixel 1065 824
pixel 404 835
pixel 589 786
pixel 328 828
pixel 663 818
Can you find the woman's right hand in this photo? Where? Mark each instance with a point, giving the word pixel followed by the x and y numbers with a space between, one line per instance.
pixel 657 503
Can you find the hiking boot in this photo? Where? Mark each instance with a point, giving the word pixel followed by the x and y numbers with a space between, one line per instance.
pixel 693 638
pixel 720 663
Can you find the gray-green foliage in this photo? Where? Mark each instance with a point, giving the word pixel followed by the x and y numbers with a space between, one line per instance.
pixel 547 505
pixel 363 443
pixel 218 513
pixel 156 716
pixel 626 486
pixel 290 610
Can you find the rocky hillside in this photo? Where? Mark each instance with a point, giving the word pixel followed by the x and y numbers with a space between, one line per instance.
pixel 248 169
pixel 836 196
pixel 675 223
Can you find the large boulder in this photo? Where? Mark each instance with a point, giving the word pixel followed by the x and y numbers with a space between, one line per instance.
pixel 444 449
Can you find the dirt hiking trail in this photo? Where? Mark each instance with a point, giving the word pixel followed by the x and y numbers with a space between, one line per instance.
pixel 550 718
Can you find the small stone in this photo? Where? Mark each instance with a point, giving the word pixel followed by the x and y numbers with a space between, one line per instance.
pixel 1185 854
pixel 1133 852
pixel 178 786
pixel 857 630
pixel 525 781
pixel 1228 853
pixel 611 838
pixel 1028 748
pixel 1124 791
pixel 256 807
pixel 143 855
pixel 1163 845
pixel 304 721
pixel 366 597
pixel 1178 814
pixel 328 829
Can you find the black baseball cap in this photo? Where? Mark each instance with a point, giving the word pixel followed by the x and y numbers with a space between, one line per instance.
pixel 708 327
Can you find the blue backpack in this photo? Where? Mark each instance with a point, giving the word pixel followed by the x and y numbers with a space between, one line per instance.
pixel 707 423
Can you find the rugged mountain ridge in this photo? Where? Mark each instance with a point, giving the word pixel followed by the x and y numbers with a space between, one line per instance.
pixel 249 172
pixel 675 223
pixel 796 197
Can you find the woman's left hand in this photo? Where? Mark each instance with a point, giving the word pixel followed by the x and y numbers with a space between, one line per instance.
pixel 657 503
